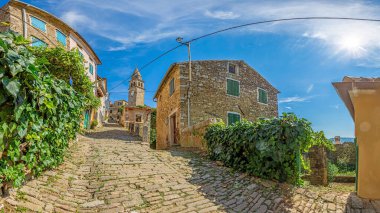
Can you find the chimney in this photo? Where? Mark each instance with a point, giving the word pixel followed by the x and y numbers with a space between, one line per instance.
pixel 337 140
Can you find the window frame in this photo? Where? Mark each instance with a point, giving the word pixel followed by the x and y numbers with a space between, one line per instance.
pixel 89 69
pixel 31 23
pixel 141 120
pixel 236 68
pixel 56 36
pixel 170 87
pixel 33 37
pixel 235 113
pixel 227 87
pixel 258 96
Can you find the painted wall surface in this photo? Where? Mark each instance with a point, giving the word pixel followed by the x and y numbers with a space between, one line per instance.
pixel 367 130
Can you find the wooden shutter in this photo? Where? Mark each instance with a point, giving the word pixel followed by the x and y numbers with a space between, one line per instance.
pixel 233 87
pixel 233 118
pixel 263 96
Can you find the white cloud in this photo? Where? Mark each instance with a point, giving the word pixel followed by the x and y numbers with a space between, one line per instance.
pixel 310 88
pixel 130 23
pixel 221 14
pixel 294 99
pixel 75 19
pixel 289 108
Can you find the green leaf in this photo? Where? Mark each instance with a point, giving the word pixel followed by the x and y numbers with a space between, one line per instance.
pixel 21 131
pixel 3 97
pixel 12 86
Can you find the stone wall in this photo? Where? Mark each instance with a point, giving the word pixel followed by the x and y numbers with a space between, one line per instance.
pixel 169 105
pixel 193 136
pixel 318 166
pixel 209 98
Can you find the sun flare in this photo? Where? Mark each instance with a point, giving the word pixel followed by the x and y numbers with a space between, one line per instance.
pixel 352 45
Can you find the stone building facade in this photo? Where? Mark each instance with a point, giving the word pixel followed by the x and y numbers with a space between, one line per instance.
pixel 42 28
pixel 136 116
pixel 230 90
pixel 115 110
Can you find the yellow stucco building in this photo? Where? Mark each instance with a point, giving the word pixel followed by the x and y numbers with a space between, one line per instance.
pixel 362 98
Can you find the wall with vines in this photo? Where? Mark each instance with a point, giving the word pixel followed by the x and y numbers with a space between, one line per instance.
pixel 267 148
pixel 39 114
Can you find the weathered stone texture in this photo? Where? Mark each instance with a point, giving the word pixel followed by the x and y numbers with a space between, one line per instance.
pixel 193 136
pixel 169 105
pixel 318 166
pixel 208 95
pixel 108 171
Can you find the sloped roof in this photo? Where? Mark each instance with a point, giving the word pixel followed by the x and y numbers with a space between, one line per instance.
pixel 62 22
pixel 354 83
pixel 197 61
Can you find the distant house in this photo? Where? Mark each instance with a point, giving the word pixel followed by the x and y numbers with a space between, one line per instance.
pixel 44 29
pixel 230 90
pixel 115 110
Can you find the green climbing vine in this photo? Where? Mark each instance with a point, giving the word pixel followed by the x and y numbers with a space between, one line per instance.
pixel 39 114
pixel 268 148
pixel 66 65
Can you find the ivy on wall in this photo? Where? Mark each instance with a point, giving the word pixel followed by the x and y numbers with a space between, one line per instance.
pixel 267 148
pixel 39 114
pixel 66 65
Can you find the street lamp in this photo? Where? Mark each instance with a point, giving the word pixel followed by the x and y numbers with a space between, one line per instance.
pixel 180 40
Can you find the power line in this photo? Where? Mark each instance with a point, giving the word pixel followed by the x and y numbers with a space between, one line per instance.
pixel 147 64
pixel 245 25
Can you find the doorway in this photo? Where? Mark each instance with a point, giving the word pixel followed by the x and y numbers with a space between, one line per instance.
pixel 173 129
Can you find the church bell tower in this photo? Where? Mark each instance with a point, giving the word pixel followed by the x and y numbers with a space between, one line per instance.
pixel 136 90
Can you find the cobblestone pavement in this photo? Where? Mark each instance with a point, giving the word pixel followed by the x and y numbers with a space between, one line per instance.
pixel 108 171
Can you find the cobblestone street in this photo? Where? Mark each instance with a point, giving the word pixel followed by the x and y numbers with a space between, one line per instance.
pixel 108 171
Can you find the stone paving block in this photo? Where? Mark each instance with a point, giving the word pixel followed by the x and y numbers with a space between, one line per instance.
pixel 111 172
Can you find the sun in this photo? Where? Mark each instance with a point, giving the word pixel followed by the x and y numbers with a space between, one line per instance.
pixel 352 45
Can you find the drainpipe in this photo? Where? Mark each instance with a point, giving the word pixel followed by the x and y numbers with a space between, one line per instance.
pixel 24 26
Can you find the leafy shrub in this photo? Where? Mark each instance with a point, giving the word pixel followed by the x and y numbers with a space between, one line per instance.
pixel 332 171
pixel 39 114
pixel 268 148
pixel 94 124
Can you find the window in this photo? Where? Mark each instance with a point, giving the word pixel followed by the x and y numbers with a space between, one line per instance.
pixel 262 96
pixel 233 87
pixel 37 23
pixel 110 111
pixel 61 37
pixel 232 68
pixel 233 117
pixel 138 118
pixel 171 87
pixel 91 69
pixel 38 42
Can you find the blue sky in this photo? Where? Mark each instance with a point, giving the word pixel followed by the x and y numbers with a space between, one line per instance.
pixel 299 58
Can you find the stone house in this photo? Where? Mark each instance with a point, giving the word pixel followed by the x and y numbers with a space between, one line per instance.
pixel 115 110
pixel 44 29
pixel 229 90
pixel 136 116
